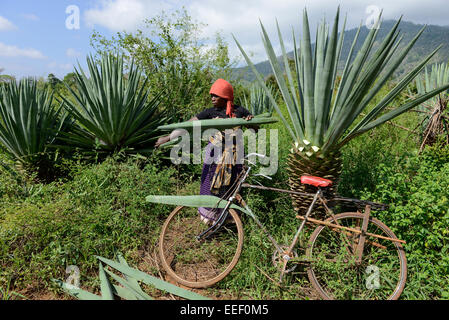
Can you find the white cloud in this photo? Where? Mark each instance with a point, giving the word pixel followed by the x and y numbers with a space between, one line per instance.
pixel 119 15
pixel 72 53
pixel 13 51
pixel 241 17
pixel 6 25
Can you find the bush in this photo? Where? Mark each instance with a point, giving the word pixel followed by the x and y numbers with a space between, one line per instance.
pixel 417 190
pixel 100 209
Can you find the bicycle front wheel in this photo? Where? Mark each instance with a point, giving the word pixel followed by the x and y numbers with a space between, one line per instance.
pixel 199 263
pixel 334 271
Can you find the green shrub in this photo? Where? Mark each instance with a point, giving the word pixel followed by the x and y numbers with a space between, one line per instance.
pixel 101 208
pixel 417 190
pixel 171 50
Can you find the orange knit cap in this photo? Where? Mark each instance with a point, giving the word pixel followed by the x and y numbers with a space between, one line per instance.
pixel 224 89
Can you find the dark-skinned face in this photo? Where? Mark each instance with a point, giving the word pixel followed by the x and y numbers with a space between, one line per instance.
pixel 217 101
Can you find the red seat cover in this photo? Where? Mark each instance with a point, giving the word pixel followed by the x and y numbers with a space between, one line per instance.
pixel 315 181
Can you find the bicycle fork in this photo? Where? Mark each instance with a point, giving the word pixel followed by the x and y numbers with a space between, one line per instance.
pixel 224 213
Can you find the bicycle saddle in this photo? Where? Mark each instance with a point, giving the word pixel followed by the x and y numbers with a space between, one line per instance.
pixel 315 181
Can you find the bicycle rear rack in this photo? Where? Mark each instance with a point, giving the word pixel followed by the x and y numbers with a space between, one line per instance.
pixel 359 203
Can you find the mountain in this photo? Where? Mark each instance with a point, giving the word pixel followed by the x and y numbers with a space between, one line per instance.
pixel 431 38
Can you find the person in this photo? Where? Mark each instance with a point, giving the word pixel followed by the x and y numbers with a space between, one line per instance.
pixel 217 175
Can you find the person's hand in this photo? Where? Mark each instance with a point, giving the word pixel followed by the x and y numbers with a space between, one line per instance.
pixel 255 127
pixel 162 140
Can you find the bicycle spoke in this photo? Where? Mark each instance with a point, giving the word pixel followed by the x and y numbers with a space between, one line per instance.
pixel 198 263
pixel 337 275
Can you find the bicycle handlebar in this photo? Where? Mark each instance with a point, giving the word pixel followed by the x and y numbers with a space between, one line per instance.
pixel 362 203
pixel 260 156
pixel 255 154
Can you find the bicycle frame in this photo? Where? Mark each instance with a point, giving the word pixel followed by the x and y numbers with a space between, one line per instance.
pixel 318 196
pixel 286 255
pixel 235 195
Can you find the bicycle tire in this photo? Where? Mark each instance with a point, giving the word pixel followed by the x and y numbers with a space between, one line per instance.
pixel 335 276
pixel 199 263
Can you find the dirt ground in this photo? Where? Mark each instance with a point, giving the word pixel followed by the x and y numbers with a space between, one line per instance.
pixel 150 263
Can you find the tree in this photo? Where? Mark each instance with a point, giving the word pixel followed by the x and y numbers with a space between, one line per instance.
pixel 52 80
pixel 70 79
pixel 174 58
pixel 4 77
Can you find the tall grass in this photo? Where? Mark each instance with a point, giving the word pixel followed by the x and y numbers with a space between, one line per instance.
pixel 99 208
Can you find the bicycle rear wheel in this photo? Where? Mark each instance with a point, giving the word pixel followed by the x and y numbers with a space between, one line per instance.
pixel 334 273
pixel 199 263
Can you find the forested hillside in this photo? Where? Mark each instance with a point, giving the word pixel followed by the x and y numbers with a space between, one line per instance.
pixel 432 37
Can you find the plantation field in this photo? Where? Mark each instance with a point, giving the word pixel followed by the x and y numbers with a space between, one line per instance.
pixel 99 208
pixel 78 157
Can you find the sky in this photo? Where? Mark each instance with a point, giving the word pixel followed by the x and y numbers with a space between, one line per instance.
pixel 38 37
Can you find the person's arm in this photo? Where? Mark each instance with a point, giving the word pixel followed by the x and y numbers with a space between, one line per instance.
pixel 248 116
pixel 255 127
pixel 173 135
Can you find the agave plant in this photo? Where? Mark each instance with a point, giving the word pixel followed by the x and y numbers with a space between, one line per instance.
pixel 325 117
pixel 219 124
pixel 113 109
pixel 258 101
pixel 29 124
pixel 435 117
pixel 128 287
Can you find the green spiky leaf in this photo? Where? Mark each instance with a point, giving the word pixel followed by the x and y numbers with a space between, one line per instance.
pixel 113 109
pixel 317 112
pixel 219 124
pixel 153 281
pixel 193 201
pixel 76 292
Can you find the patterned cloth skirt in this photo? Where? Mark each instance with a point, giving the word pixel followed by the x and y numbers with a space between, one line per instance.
pixel 207 174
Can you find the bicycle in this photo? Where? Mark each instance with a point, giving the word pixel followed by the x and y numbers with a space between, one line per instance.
pixel 350 255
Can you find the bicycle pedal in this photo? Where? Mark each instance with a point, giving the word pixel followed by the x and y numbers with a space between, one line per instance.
pixel 279 258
